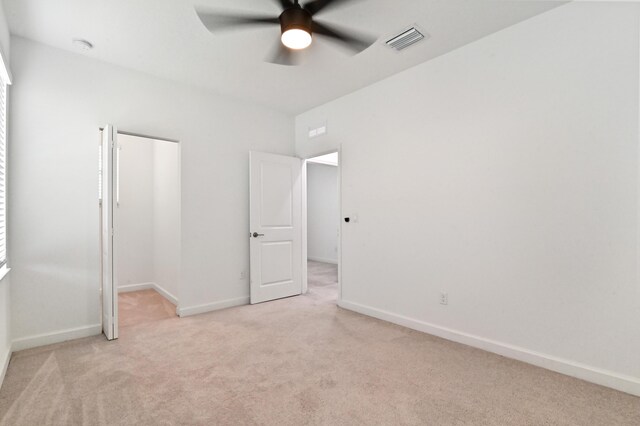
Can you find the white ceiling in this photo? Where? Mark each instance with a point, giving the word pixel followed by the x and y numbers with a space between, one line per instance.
pixel 165 38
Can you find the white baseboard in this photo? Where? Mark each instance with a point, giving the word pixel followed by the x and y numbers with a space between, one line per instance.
pixel 588 373
pixel 135 287
pixel 149 286
pixel 5 364
pixel 80 332
pixel 209 307
pixel 170 297
pixel 323 260
pixel 56 337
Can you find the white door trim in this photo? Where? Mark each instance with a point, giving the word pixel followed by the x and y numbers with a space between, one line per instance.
pixel 305 283
pixel 109 285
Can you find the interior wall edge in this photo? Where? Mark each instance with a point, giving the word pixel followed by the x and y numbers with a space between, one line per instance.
pixel 149 286
pixel 610 379
pixel 135 287
pixel 166 294
pixel 5 363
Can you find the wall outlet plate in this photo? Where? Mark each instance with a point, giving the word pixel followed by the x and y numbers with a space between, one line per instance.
pixel 444 298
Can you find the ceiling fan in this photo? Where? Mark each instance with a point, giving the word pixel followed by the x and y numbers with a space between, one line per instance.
pixel 298 26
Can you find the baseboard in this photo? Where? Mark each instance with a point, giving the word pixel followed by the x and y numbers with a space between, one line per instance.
pixel 149 286
pixel 135 287
pixel 80 332
pixel 5 364
pixel 56 337
pixel 210 307
pixel 588 373
pixel 170 297
pixel 323 260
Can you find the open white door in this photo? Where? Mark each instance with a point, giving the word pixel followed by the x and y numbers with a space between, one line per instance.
pixel 276 226
pixel 109 287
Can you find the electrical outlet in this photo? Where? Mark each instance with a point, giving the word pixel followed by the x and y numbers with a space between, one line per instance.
pixel 444 298
pixel 243 275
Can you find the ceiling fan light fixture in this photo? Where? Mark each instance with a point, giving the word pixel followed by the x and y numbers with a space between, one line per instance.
pixel 296 39
pixel 295 27
pixel 298 29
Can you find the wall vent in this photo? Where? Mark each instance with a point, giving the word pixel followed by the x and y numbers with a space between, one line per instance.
pixel 406 39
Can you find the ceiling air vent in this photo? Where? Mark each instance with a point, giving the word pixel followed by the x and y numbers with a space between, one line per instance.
pixel 406 39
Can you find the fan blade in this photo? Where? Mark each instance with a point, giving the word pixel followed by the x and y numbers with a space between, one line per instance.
pixel 282 55
pixel 284 4
pixel 355 42
pixel 220 21
pixel 316 6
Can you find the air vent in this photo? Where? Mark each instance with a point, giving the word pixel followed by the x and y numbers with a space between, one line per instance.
pixel 406 39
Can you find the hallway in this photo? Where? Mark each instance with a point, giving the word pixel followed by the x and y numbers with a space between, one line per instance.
pixel 322 281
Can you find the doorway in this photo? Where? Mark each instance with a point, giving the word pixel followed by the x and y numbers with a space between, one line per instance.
pixel 140 272
pixel 279 241
pixel 323 227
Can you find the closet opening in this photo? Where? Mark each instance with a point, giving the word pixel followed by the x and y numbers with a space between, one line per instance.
pixel 142 195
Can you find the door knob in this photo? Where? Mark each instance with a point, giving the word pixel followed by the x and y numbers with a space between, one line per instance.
pixel 256 235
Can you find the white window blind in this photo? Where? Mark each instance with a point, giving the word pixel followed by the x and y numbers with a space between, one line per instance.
pixel 3 165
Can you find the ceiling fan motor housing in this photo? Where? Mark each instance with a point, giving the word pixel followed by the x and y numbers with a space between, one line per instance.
pixel 295 18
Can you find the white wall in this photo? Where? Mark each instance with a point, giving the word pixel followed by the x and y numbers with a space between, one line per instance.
pixel 322 213
pixel 134 213
pixel 5 283
pixel 148 215
pixel 59 101
pixel 5 324
pixel 166 216
pixel 4 34
pixel 506 174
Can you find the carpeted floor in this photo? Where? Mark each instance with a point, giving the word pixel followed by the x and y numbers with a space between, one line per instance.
pixel 323 281
pixel 137 307
pixel 296 361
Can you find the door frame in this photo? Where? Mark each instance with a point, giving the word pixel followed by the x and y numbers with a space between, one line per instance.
pixel 305 272
pixel 108 287
pixel 115 183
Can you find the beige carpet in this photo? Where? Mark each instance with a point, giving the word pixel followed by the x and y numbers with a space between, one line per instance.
pixel 295 361
pixel 323 282
pixel 137 307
